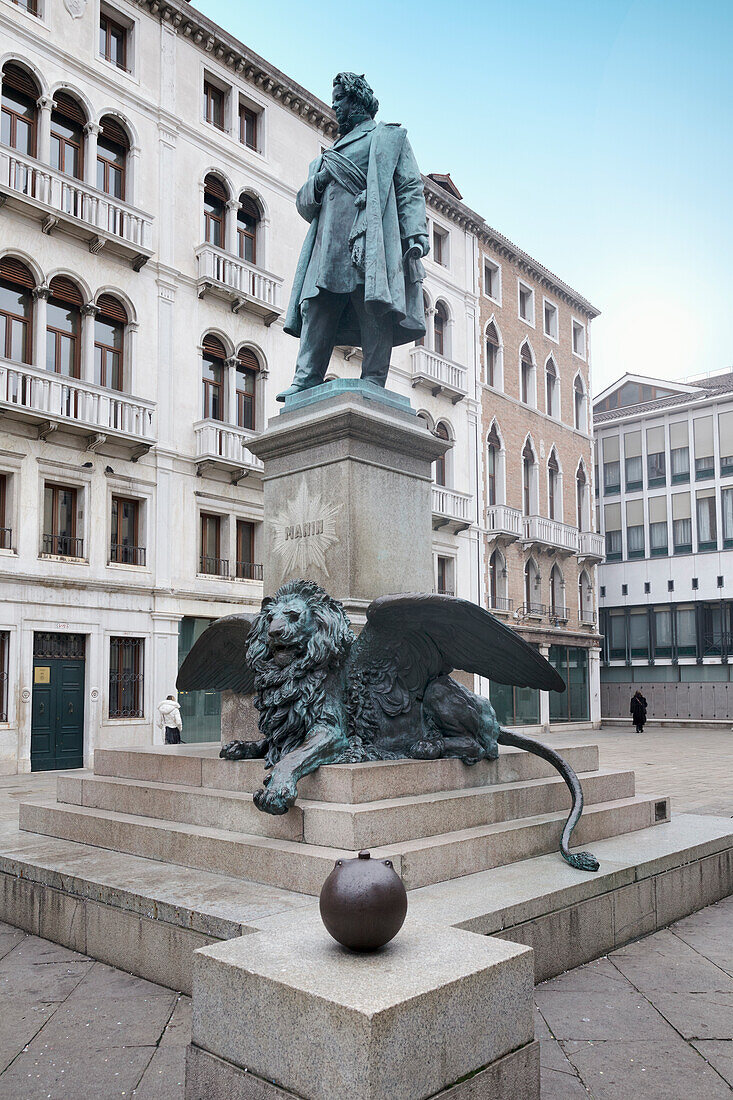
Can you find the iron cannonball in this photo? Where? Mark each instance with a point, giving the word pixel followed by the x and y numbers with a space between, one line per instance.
pixel 363 902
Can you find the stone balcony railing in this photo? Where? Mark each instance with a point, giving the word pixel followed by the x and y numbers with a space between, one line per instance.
pixel 451 509
pixel 551 533
pixel 590 546
pixel 57 403
pixel 503 523
pixel 63 203
pixel 438 374
pixel 224 446
pixel 245 285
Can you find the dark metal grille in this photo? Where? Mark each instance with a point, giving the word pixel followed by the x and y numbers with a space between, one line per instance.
pixel 559 614
pixel 126 677
pixel 64 546
pixel 531 609
pixel 4 646
pixel 216 567
pixel 588 618
pixel 500 603
pixel 249 571
pixel 66 647
pixel 126 555
pixel 6 538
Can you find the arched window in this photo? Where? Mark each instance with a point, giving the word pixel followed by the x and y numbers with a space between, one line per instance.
pixel 213 378
pixel 440 330
pixel 553 473
pixel 585 598
pixel 18 125
pixel 109 342
pixel 113 146
pixel 215 198
pixel 492 464
pixel 248 218
pixel 441 432
pixel 247 369
pixel 67 136
pixel 527 369
pixel 528 479
pixel 63 327
pixel 580 495
pixel 492 355
pixel 16 311
pixel 557 604
pixel 497 582
pixel 531 587
pixel 581 417
pixel 551 387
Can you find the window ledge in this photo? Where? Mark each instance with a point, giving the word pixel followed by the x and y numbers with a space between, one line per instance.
pixel 8 552
pixel 660 552
pixel 127 566
pixel 656 482
pixel 62 558
pixel 682 479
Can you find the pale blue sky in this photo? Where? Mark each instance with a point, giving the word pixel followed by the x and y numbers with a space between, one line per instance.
pixel 596 135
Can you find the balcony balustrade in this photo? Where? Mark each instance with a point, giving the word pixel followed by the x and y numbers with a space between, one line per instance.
pixel 500 604
pixel 558 614
pixel 439 375
pixel 245 285
pixel 63 203
pixel 587 618
pixel 62 546
pixel 248 571
pixel 503 524
pixel 451 509
pixel 55 402
pixel 590 546
pixel 224 446
pixel 550 533
pixel 531 611
pixel 120 554
pixel 213 567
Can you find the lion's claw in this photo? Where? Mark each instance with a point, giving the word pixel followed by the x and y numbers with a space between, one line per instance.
pixel 274 800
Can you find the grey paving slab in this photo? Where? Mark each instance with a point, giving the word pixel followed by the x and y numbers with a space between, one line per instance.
pixel 178 1028
pixel 609 1015
pixel 676 967
pixel 711 933
pixel 719 1053
pixel 109 1021
pixel 555 1085
pixel 106 981
pixel 9 940
pixel 20 1021
pixel 71 1072
pixel 697 1015
pixel 541 1030
pixel 164 1076
pixel 649 1070
pixel 598 976
pixel 37 970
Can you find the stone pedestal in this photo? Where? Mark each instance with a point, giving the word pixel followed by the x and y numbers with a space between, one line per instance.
pixel 347 493
pixel 287 1012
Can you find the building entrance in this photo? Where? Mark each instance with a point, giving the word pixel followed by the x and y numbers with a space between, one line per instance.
pixel 57 722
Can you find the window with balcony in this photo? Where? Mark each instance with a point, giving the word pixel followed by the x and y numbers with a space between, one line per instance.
pixel 580 404
pixel 498 600
pixel 557 595
pixel 6 533
pixel 527 376
pixel 444 568
pixel 492 356
pixel 249 121
pixel 440 330
pixel 210 560
pixel 4 655
pixel 441 465
pixel 581 499
pixel 681 523
pixel 726 512
pixel 658 536
pixel 213 366
pixel 553 487
pixel 60 522
pixel 126 677
pixel 612 527
pixel 440 246
pixel 578 338
pixel 113 147
pixel 215 200
pixel 551 389
pixel 247 568
pixel 493 450
pixel 532 593
pixel 109 342
pixel 656 466
pixel 551 320
pixel 31 6
pixel 16 311
pixel 585 599
pixel 702 431
pixel 635 529
pixel 707 532
pixel 63 327
pixel 725 441
pixel 113 41
pixel 247 370
pixel 633 462
pixel 492 280
pixel 125 548
pixel 611 466
pixel 248 220
pixel 530 488
pixel 526 303
pixel 214 99
pixel 679 452
pixel 67 136
pixel 19 114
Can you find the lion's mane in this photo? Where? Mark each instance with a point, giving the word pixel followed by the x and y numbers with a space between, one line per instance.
pixel 290 699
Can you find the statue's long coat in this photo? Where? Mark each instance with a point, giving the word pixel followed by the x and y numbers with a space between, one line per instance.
pixel 395 210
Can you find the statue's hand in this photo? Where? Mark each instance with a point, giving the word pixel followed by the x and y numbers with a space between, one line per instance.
pixel 421 241
pixel 323 178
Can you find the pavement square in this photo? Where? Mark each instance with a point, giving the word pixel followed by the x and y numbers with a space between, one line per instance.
pixel 719 1053
pixel 652 1070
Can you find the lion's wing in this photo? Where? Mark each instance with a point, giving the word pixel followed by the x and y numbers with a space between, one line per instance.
pixel 427 635
pixel 218 660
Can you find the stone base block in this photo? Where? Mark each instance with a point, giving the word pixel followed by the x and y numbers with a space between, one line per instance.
pixel 426 1012
pixel 516 1076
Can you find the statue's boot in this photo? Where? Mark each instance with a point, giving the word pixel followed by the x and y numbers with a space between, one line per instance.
pixel 296 388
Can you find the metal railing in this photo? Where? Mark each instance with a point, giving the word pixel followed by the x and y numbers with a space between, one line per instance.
pixel 500 603
pixel 444 592
pixel 433 369
pixel 120 554
pixel 587 618
pixel 238 275
pixel 558 614
pixel 503 520
pixel 248 571
pixel 6 538
pixel 62 546
pixel 534 610
pixel 214 567
pixel 450 503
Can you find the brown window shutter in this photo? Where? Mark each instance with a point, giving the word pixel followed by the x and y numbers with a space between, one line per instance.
pixel 527 452
pixel 213 186
pixel 551 368
pixel 552 463
pixel 491 336
pixel 114 133
pixel 20 80
pixel 493 438
pixel 214 346
pixel 15 271
pixel 65 290
pixel 112 308
pixel 526 355
pixel 248 359
pixel 70 108
pixel 248 207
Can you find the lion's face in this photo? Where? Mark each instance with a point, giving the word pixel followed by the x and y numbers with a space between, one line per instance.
pixel 299 628
pixel 289 625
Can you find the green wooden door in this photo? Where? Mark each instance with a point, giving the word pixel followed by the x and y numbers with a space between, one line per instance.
pixel 57 724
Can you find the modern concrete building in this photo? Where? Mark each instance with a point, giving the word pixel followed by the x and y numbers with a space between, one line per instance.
pixel 665 506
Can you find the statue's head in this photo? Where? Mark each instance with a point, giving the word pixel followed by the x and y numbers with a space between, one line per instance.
pixel 353 100
pixel 302 627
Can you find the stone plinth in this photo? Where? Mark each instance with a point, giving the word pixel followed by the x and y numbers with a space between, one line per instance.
pixel 347 493
pixel 305 1017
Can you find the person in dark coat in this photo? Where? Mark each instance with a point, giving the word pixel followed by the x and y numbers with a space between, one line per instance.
pixel 638 711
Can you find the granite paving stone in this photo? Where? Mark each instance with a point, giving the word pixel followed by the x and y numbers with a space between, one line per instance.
pixel 71 1071
pixel 697 1015
pixel 607 1015
pixel 681 970
pixel 107 1021
pixel 645 1070
pixel 719 1053
pixel 19 1022
pixel 163 1078
pixel 598 976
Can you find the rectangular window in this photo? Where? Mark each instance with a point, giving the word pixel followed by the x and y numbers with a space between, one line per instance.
pixel 617 634
pixel 702 431
pixel 247 569
pixel 213 105
pixel 444 577
pixel 31 6
pixel 59 522
pixel 655 457
pixel 612 524
pixel 126 677
pixel 725 439
pixel 112 41
pixel 211 561
pixel 492 280
pixel 4 656
pixel 125 548
pixel 663 632
pixel 679 452
pixel 579 339
pixel 639 634
pixel 246 384
pixel 707 532
pixel 440 246
pixel 658 539
pixel 726 510
pixel 686 632
pixel 611 465
pixel 633 461
pixel 526 303
pixel 551 320
pixel 248 124
pixel 635 528
pixel 681 523
pixel 6 534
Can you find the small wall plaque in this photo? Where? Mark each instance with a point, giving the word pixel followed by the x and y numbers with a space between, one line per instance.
pixel 42 675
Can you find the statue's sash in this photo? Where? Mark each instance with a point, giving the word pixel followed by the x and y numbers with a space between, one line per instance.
pixel 350 176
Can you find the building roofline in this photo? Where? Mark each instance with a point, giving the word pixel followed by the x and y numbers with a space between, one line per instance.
pixel 645 380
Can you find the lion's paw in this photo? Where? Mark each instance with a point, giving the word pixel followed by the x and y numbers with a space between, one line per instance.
pixel 242 750
pixel 275 799
pixel 427 750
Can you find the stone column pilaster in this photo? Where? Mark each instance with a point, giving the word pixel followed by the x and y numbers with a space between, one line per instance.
pixel 89 312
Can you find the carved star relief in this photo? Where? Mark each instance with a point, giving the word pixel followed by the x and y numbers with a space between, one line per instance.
pixel 303 531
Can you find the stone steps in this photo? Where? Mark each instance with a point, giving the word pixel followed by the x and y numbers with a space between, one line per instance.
pixel 199 765
pixel 304 867
pixel 340 825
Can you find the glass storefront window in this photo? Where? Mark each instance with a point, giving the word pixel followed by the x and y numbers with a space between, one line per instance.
pixel 200 710
pixel 515 706
pixel 572 705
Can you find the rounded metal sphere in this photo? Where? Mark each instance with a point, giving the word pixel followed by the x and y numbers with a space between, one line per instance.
pixel 363 902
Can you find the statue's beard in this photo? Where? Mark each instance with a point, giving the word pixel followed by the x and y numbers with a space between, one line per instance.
pixel 350 116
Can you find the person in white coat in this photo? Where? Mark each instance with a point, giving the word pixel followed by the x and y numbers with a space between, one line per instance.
pixel 169 719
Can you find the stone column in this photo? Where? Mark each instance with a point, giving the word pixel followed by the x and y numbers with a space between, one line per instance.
pixel 92 131
pixel 45 105
pixel 230 391
pixel 41 295
pixel 230 231
pixel 545 696
pixel 594 686
pixel 89 312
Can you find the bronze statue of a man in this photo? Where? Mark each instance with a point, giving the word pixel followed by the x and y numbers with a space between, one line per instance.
pixel 359 278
